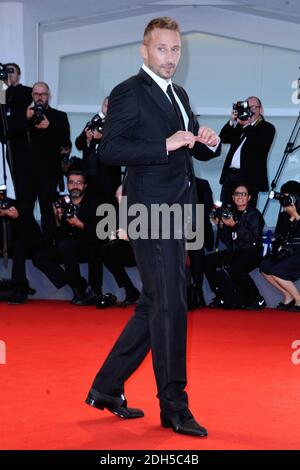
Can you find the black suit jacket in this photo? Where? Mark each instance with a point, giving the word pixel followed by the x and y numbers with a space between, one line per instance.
pixel 140 118
pixel 254 152
pixel 45 143
pixel 107 178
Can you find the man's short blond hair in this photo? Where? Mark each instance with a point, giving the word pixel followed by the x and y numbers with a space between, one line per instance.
pixel 164 22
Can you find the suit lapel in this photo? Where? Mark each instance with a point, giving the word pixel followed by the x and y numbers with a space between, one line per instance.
pixel 160 98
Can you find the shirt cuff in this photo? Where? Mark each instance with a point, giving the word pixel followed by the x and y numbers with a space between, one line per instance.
pixel 213 149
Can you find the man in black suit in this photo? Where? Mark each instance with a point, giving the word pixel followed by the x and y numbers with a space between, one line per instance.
pixel 18 98
pixel 151 129
pixel 102 180
pixel 246 160
pixel 49 137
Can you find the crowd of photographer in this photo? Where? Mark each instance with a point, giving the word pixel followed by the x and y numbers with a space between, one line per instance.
pixel 39 159
pixel 38 144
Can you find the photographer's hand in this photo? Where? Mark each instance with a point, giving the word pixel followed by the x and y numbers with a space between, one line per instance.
pixel 11 212
pixel 233 118
pixel 229 222
pixel 58 212
pixel 97 135
pixel 43 124
pixel 29 111
pixel 89 136
pixel 75 222
pixel 292 211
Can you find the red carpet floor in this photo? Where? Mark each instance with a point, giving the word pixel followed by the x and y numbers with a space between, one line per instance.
pixel 243 385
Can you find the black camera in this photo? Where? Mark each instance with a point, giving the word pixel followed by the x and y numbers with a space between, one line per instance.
pixel 219 211
pixel 243 110
pixel 4 71
pixel 69 210
pixel 96 123
pixel 38 116
pixel 284 199
pixel 5 202
pixel 281 248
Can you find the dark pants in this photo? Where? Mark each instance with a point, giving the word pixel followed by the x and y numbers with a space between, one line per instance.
pixel 28 190
pixel 159 323
pixel 27 241
pixel 72 253
pixel 239 265
pixel 232 179
pixel 116 255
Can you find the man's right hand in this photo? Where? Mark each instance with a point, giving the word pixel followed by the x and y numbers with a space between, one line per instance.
pixel 180 139
pixel 58 212
pixel 29 112
pixel 89 135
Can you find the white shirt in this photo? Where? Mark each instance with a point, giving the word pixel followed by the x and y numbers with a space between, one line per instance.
pixel 163 84
pixel 236 159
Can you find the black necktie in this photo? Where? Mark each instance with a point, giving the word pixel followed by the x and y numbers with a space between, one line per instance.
pixel 176 107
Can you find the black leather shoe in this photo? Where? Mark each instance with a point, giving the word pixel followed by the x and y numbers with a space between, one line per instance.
pixel 82 298
pixel 105 300
pixel 183 422
pixel 283 306
pixel 195 298
pixel 116 405
pixel 295 308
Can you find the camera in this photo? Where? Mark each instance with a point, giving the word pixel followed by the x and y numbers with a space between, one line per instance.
pixel 96 123
pixel 4 71
pixel 281 248
pixel 219 211
pixel 69 209
pixel 38 116
pixel 284 200
pixel 5 202
pixel 243 110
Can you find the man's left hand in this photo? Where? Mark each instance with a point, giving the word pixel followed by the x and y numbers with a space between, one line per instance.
pixel 11 212
pixel 207 136
pixel 75 222
pixel 229 222
pixel 43 124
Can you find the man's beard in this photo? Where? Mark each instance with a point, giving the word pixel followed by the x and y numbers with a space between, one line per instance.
pixel 76 193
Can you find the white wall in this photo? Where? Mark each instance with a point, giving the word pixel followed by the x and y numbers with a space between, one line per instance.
pixel 226 56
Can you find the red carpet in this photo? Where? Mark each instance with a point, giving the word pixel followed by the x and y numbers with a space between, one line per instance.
pixel 243 385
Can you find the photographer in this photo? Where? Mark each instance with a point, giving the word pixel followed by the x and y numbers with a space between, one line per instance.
pixel 282 267
pixel 48 136
pixel 240 229
pixel 102 180
pixel 250 138
pixel 18 97
pixel 25 240
pixel 76 240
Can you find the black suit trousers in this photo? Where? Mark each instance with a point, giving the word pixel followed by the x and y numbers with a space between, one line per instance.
pixel 159 323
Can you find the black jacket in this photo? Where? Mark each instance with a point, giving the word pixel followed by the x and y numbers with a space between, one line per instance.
pixel 247 233
pixel 254 152
pixel 45 143
pixel 138 107
pixel 107 178
pixel 86 214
